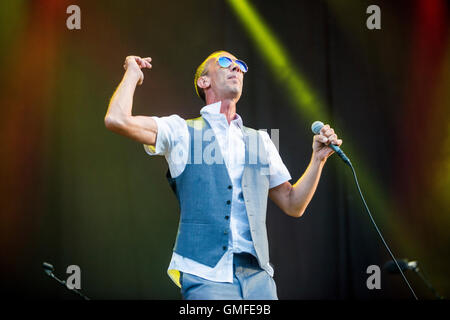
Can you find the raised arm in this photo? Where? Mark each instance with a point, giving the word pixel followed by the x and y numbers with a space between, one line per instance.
pixel 119 118
pixel 293 199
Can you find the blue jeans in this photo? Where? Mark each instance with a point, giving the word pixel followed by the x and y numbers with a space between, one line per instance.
pixel 250 282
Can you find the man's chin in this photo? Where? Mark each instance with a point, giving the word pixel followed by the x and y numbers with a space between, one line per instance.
pixel 235 96
pixel 234 93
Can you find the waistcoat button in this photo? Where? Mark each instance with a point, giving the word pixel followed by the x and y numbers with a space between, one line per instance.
pixel 229 187
pixel 228 201
pixel 224 247
pixel 227 217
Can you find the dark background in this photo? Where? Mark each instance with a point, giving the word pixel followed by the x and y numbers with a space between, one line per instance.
pixel 74 193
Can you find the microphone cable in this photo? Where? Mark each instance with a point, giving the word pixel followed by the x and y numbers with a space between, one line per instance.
pixel 378 230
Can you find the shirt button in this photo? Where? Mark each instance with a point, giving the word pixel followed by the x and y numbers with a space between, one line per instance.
pixel 228 201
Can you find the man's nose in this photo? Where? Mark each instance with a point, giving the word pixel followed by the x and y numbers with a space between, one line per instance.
pixel 235 67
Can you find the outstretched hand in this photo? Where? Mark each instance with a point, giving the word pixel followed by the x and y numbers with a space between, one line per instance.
pixel 135 64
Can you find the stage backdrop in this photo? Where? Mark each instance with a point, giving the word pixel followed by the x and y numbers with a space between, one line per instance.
pixel 73 193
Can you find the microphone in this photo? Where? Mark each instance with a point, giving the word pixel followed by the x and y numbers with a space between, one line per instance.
pixel 48 268
pixel 404 265
pixel 315 127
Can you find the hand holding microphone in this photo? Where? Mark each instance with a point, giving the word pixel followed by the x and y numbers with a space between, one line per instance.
pixel 324 139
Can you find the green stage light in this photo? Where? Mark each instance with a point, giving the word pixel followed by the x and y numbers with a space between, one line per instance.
pixel 276 57
pixel 311 108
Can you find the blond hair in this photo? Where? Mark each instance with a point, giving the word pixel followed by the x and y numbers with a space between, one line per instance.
pixel 203 70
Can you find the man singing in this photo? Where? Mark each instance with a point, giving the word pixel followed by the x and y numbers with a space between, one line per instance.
pixel 221 250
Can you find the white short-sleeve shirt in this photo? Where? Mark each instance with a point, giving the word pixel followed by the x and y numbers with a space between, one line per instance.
pixel 173 142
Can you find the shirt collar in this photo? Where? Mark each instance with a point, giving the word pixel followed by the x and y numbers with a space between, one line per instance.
pixel 214 109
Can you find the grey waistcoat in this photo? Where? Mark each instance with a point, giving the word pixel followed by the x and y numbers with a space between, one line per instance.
pixel 204 193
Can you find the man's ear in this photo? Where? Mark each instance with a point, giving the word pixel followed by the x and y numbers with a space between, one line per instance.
pixel 203 82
